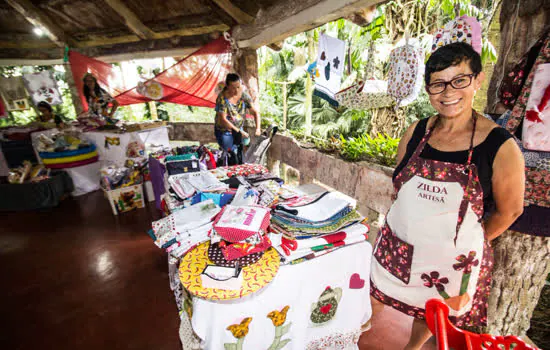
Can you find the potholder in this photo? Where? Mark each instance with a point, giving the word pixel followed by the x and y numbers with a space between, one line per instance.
pixel 462 29
pixel 405 74
pixel 215 255
pixel 536 125
pixel 237 223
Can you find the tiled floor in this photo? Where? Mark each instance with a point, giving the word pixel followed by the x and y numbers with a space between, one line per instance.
pixel 76 277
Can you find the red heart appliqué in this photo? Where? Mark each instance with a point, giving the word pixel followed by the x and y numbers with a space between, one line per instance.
pixel 325 309
pixel 355 282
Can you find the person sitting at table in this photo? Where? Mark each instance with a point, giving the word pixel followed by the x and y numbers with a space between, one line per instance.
pixel 47 115
pixel 231 107
pixel 98 99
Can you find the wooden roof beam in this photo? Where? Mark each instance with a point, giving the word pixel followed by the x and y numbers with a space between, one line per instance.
pixel 131 20
pixel 40 20
pixel 290 17
pixel 234 12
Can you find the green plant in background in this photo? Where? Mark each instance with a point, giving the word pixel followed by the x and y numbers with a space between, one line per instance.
pixel 381 149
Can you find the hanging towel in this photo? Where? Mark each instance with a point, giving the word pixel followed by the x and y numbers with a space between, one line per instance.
pixel 42 87
pixel 330 66
pixel 14 93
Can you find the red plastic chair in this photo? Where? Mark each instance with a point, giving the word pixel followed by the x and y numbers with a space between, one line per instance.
pixel 449 337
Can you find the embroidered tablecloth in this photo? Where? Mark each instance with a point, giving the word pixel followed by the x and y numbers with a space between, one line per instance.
pixel 308 306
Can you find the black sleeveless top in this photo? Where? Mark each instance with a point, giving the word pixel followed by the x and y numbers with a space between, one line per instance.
pixel 483 156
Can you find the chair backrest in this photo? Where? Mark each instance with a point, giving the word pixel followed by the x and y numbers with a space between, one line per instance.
pixel 450 337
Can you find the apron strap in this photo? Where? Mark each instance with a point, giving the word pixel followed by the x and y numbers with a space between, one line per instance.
pixel 465 200
pixel 424 141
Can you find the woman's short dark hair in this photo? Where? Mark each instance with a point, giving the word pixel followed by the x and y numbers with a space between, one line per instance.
pixel 44 104
pixel 231 77
pixel 452 55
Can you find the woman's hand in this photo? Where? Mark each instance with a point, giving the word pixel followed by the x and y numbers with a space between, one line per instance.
pixel 258 131
pixel 244 134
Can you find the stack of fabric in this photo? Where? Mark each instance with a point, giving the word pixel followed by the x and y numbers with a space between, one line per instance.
pixel 185 229
pixel 311 226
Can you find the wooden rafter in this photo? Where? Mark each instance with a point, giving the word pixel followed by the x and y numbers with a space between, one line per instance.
pixel 40 20
pixel 236 13
pixel 131 20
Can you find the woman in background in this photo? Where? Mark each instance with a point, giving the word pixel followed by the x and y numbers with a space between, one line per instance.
pixel 98 99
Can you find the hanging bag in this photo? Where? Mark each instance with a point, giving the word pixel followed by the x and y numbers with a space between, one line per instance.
pixel 405 74
pixel 462 29
pixel 368 93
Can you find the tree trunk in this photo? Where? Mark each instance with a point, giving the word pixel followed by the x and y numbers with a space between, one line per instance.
pixel 521 24
pixel 309 84
pixel 522 263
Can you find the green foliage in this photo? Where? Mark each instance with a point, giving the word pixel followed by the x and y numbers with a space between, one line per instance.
pixel 381 149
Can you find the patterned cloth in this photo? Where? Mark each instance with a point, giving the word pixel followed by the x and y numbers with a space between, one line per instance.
pixel 236 113
pixel 462 29
pixel 43 87
pixel 99 105
pixel 330 65
pixel 405 74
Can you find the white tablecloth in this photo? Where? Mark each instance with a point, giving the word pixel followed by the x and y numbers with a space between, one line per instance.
pixel 298 286
pixel 116 154
pixel 85 178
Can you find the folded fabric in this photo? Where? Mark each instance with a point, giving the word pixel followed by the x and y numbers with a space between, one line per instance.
pixel 187 156
pixel 307 232
pixel 71 159
pixel 72 164
pixel 206 182
pixel 180 185
pixel 321 248
pixel 189 239
pixel 323 208
pixel 184 220
pixel 220 199
pixel 287 247
pixel 70 153
pixel 246 170
pixel 245 196
pixel 297 222
pixel 232 251
pixel 215 254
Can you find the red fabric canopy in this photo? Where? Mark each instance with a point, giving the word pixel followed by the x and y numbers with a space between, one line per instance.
pixel 191 81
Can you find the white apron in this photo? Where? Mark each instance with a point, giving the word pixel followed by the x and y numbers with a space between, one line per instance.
pixel 432 244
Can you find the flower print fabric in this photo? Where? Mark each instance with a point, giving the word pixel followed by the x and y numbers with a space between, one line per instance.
pixel 236 113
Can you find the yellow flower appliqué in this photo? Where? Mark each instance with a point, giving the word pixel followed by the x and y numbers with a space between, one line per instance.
pixel 240 330
pixel 278 317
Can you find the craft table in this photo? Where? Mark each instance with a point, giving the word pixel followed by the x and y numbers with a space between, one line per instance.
pixel 299 286
pixel 111 147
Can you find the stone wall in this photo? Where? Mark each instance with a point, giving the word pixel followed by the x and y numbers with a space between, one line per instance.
pixel 200 132
pixel 369 183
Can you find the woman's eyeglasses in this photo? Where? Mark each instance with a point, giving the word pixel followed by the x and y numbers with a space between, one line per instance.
pixel 460 82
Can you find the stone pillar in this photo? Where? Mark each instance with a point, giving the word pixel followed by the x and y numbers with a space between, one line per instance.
pixel 246 66
pixel 75 96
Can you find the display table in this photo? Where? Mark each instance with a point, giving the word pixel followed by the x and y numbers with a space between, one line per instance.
pixel 297 286
pixel 112 147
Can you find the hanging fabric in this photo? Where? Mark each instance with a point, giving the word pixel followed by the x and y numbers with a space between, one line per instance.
pixel 536 126
pixel 367 93
pixel 14 93
pixel 462 29
pixel 43 87
pixel 330 65
pixel 192 81
pixel 406 73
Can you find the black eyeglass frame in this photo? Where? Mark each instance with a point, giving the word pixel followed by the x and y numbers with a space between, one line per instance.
pixel 447 83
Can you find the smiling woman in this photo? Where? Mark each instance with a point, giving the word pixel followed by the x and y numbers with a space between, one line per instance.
pixel 459 184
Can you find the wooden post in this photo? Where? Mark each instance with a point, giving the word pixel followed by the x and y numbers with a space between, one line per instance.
pixel 246 66
pixel 153 109
pixel 75 96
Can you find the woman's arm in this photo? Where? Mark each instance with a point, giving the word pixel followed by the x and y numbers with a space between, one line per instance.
pixel 256 115
pixel 402 148
pixel 508 189
pixel 114 106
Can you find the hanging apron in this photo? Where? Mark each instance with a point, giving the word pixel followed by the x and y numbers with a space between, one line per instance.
pixel 432 244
